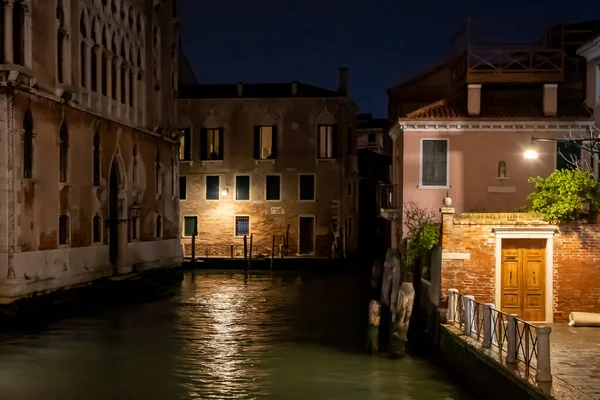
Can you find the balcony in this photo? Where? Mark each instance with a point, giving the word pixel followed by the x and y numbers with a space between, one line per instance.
pixel 389 200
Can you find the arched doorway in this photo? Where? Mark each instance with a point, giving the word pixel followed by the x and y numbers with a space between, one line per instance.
pixel 113 210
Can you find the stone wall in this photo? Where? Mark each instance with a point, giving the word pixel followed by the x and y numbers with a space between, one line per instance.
pixel 469 258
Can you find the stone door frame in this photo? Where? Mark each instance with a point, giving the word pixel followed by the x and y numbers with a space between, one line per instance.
pixel 546 232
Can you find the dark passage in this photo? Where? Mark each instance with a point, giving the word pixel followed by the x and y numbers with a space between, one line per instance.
pixel 286 336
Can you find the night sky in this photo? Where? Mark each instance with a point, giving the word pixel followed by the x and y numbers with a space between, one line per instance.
pixel 381 41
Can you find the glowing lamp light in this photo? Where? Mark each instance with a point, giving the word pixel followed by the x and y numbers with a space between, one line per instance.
pixel 530 154
pixel 225 192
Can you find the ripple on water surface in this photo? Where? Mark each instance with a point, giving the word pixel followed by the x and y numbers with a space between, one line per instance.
pixel 286 336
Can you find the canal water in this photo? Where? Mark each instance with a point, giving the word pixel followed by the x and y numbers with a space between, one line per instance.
pixel 221 336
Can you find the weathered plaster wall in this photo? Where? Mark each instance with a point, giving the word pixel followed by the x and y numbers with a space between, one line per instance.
pixel 297 121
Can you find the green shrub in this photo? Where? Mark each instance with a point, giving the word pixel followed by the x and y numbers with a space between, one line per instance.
pixel 423 240
pixel 562 196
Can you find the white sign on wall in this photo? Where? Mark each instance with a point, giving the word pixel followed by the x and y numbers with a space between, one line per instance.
pixel 277 210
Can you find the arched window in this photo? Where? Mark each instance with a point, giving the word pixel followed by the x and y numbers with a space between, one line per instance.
pixel 64 228
pixel 63 145
pixel 157 181
pixel 158 227
pixel 18 33
pixel 114 72
pixel 97 229
pixel 135 156
pixel 60 38
pixel 96 158
pixel 123 72
pixel 104 62
pixel 28 145
pixel 82 59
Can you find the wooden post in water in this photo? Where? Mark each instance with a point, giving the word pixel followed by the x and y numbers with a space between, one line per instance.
pixel 374 321
pixel 194 249
pixel 273 252
pixel 287 239
pixel 250 253
pixel 245 247
pixel 400 325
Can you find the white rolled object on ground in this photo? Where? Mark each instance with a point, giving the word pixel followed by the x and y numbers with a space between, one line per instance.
pixel 580 319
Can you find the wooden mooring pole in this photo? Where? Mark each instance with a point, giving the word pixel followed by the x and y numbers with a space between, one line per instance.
pixel 194 249
pixel 250 252
pixel 273 252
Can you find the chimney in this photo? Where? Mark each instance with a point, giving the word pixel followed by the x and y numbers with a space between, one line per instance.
pixel 240 89
pixel 550 99
pixel 474 100
pixel 343 81
pixel 294 88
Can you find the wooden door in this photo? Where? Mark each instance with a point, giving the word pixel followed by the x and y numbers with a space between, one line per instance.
pixel 523 285
pixel 307 235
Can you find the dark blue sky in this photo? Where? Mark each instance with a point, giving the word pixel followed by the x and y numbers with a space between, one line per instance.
pixel 380 41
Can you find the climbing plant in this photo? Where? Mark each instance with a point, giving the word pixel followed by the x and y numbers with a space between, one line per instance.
pixel 423 231
pixel 565 195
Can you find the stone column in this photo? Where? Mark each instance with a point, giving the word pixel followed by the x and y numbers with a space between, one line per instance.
pixel 8 32
pixel 27 40
pixel 134 74
pixel 108 61
pixel 88 44
pixel 118 66
pixel 544 372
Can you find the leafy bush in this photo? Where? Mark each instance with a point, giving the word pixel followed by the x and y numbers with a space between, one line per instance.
pixel 423 231
pixel 564 195
pixel 424 239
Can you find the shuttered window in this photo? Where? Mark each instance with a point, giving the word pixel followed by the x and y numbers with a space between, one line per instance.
pixel 435 163
pixel 568 154
pixel 190 226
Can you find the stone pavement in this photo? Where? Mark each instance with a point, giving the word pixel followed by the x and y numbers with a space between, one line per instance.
pixel 575 357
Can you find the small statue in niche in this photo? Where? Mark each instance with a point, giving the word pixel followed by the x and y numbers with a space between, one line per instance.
pixel 502 170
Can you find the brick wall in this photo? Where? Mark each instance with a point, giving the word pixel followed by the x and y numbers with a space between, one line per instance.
pixel 469 261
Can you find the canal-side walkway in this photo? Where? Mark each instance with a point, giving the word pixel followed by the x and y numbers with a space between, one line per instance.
pixel 575 357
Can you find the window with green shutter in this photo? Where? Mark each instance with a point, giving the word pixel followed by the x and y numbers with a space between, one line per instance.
pixel 568 154
pixel 434 159
pixel 190 226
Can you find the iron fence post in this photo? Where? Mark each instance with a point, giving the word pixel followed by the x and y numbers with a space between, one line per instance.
pixel 468 314
pixel 451 312
pixel 511 336
pixel 544 372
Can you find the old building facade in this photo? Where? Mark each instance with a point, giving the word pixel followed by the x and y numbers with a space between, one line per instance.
pixel 264 160
pixel 88 165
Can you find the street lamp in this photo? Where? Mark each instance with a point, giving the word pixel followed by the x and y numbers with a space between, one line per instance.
pixel 134 211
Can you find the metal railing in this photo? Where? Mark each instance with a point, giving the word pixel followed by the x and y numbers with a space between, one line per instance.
pixel 514 338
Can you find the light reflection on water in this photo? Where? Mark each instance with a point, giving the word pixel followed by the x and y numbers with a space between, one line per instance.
pixel 286 336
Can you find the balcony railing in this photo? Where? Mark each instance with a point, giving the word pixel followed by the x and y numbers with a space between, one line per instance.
pixel 389 197
pixel 519 341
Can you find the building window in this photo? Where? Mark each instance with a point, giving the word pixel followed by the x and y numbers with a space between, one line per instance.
pixel 265 142
pixel 242 187
pixel 18 33
pixel 190 226
pixel 157 180
pixel 307 187
pixel 28 145
pixel 60 39
pixel 97 229
pixel 212 187
pixel 434 158
pixel 82 63
pixel 242 225
pixel 63 148
pixel 96 159
pixel 63 229
pixel 568 154
pixel 182 188
pixel 185 153
pixel 211 144
pixel 327 141
pixel 158 227
pixel 273 187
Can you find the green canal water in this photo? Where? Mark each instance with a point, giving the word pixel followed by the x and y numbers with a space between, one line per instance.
pixel 221 336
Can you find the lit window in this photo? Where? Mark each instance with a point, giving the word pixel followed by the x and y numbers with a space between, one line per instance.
pixel 265 142
pixel 327 141
pixel 185 153
pixel 242 225
pixel 212 144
